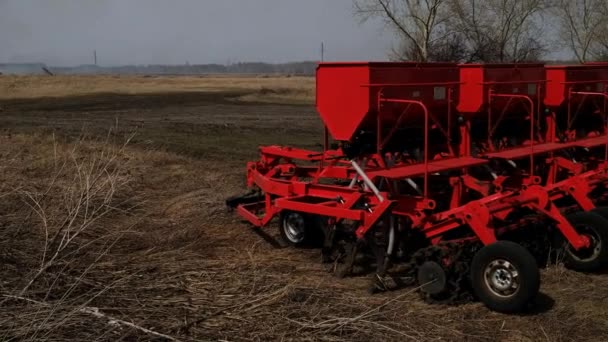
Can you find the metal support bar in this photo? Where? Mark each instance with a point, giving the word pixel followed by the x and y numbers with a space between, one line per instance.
pixel 367 181
pixel 426 136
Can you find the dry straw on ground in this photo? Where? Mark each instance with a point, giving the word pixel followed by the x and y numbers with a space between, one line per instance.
pixel 133 271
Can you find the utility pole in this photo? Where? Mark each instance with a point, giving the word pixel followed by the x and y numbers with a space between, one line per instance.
pixel 95 57
pixel 322 51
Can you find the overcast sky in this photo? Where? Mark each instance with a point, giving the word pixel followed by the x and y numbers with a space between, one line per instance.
pixel 65 32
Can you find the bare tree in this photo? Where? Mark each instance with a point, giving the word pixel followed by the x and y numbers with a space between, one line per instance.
pixel 462 30
pixel 419 23
pixel 500 30
pixel 583 27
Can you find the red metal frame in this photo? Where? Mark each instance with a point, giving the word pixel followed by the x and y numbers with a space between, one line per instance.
pixel 582 178
pixel 491 129
pixel 338 202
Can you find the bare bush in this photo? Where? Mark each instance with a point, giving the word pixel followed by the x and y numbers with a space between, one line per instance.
pixel 80 193
pixel 64 235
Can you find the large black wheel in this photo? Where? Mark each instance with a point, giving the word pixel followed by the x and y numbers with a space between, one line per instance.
pixel 595 228
pixel 505 276
pixel 602 211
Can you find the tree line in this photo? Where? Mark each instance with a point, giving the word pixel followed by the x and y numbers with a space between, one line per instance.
pixel 492 30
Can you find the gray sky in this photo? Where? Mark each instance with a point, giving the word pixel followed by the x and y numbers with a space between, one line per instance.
pixel 65 32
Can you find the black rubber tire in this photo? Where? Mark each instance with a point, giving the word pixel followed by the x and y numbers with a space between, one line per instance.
pixel 597 226
pixel 521 260
pixel 602 211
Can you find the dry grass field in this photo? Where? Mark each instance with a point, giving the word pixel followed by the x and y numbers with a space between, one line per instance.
pixel 262 88
pixel 113 226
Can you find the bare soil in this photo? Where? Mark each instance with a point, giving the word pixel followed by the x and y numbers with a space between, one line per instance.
pixel 173 260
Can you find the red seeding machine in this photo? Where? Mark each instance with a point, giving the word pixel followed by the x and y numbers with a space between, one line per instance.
pixel 463 179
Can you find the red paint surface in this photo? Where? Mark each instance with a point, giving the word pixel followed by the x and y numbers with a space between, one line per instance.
pixel 347 93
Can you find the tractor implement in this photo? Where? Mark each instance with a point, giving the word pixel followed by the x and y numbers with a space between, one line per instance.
pixel 444 174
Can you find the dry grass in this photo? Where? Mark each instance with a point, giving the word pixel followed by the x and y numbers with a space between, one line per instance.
pixel 172 262
pixel 169 260
pixel 254 88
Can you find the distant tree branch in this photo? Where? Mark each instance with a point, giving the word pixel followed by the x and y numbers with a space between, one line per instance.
pixel 417 23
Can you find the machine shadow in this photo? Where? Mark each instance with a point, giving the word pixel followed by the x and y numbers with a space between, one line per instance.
pixel 275 243
pixel 542 303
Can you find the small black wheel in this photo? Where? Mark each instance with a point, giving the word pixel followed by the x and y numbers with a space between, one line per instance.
pixel 505 276
pixel 595 228
pixel 294 228
pixel 432 278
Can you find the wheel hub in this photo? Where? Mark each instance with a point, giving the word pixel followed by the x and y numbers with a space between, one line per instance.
pixel 502 278
pixel 588 253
